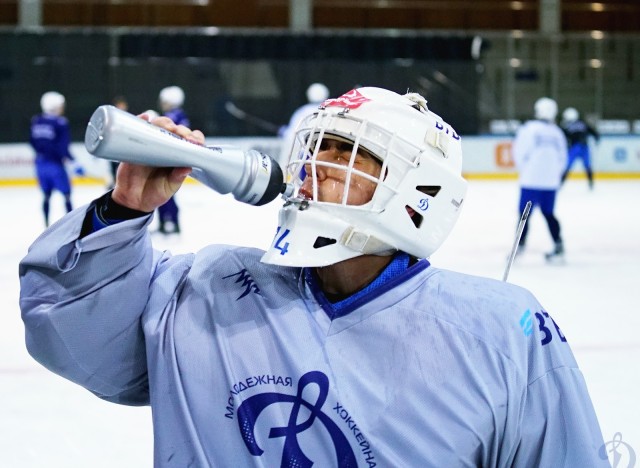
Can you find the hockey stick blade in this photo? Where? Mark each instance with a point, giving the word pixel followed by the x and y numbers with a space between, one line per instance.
pixel 516 241
pixel 239 114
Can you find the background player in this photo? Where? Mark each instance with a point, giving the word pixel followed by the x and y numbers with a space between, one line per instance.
pixel 540 156
pixel 578 132
pixel 171 100
pixel 340 345
pixel 316 93
pixel 49 137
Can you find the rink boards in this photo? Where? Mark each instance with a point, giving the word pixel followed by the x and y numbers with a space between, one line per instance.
pixel 486 157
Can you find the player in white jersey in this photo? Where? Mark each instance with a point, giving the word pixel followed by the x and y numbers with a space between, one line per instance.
pixel 540 155
pixel 340 346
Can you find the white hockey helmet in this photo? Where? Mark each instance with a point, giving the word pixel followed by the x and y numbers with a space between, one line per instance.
pixel 570 114
pixel 317 92
pixel 172 97
pixel 545 109
pixel 421 162
pixel 52 103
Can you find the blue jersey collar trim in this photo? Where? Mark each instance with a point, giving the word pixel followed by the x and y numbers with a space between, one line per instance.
pixel 398 271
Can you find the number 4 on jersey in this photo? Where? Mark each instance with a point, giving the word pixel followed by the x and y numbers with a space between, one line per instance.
pixel 282 247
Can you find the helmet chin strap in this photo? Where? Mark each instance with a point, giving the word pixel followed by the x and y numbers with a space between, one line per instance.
pixel 365 243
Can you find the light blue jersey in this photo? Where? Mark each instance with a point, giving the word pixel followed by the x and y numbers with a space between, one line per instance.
pixel 243 366
pixel 540 155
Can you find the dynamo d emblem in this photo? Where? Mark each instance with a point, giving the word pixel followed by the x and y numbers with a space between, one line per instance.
pixel 292 453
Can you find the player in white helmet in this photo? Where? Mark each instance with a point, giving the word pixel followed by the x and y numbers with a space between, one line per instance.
pixel 578 132
pixel 50 138
pixel 341 345
pixel 540 155
pixel 316 93
pixel 171 100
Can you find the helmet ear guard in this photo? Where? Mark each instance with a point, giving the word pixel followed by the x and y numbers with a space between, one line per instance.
pixel 418 195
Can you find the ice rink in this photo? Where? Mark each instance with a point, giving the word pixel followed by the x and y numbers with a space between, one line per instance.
pixel 46 421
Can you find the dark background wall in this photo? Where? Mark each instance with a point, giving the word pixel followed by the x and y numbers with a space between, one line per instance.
pixel 263 73
pixel 244 52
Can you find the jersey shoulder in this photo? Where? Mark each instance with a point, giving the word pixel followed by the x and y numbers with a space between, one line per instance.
pixel 507 317
pixel 496 304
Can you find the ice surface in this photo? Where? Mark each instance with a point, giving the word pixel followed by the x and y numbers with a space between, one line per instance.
pixel 46 421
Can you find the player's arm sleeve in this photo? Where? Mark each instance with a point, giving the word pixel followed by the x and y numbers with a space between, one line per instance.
pixel 82 301
pixel 559 427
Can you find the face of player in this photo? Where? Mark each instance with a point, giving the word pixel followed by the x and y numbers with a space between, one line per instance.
pixel 332 180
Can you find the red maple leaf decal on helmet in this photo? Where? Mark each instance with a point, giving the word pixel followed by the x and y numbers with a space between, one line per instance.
pixel 351 100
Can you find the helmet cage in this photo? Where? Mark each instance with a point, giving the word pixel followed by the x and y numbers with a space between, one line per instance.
pixel 385 146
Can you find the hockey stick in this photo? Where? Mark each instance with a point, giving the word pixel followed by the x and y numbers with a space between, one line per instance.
pixel 239 114
pixel 516 241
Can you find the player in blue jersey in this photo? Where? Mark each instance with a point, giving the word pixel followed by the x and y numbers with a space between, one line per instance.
pixel 578 132
pixel 50 139
pixel 171 100
pixel 540 155
pixel 341 345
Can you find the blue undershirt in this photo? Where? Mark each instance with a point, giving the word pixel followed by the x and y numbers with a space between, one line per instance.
pixel 398 265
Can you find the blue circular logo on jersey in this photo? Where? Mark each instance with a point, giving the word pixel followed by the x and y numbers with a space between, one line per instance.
pixel 304 414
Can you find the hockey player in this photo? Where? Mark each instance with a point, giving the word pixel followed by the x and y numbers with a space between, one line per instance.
pixel 171 100
pixel 339 346
pixel 50 139
pixel 316 94
pixel 578 132
pixel 540 156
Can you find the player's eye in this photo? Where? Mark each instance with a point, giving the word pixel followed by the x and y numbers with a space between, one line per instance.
pixel 324 145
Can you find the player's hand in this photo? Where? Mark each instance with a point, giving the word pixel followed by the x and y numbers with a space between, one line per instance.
pixel 145 188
